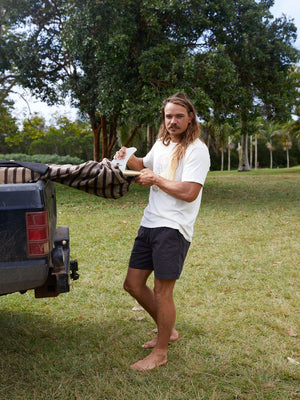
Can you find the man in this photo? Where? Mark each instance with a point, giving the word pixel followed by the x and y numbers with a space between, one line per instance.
pixel 175 168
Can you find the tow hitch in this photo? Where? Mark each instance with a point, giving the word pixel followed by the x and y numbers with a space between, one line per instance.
pixel 74 269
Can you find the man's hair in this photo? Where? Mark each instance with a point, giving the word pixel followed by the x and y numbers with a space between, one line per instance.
pixel 192 132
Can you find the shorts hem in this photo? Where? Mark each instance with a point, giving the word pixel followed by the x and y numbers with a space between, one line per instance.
pixel 164 277
pixel 138 267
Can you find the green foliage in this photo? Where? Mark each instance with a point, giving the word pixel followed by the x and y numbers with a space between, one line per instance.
pixel 42 158
pixel 65 138
pixel 278 154
pixel 293 126
pixel 8 126
pixel 215 72
pixel 119 59
pixel 74 138
pixel 262 53
pixel 33 129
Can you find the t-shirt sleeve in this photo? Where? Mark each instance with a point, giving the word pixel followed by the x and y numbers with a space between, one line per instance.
pixel 196 164
pixel 148 159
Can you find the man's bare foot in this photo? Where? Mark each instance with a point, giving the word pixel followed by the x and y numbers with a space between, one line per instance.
pixel 152 343
pixel 153 360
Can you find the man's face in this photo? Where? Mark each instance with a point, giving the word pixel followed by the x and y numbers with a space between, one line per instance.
pixel 176 120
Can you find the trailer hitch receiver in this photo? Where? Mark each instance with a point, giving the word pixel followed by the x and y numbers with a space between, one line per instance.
pixel 74 269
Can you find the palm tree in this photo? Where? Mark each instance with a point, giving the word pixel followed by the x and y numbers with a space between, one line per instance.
pixel 230 146
pixel 257 126
pixel 270 129
pixel 287 144
pixel 286 141
pixel 271 148
pixel 224 133
pixel 214 135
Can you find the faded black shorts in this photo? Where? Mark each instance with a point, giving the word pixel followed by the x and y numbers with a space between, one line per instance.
pixel 162 250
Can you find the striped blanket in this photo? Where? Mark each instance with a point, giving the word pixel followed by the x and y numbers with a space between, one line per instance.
pixel 102 179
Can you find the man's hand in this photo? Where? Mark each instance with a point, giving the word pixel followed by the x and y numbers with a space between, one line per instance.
pixel 134 163
pixel 120 154
pixel 146 178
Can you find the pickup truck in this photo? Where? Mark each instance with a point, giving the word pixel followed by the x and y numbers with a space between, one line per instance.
pixel 34 252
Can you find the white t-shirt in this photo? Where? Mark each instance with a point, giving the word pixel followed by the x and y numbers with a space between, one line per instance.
pixel 163 209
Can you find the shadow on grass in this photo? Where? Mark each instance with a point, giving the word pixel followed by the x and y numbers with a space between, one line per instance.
pixel 42 358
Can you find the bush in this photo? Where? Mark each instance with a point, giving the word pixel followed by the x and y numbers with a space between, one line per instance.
pixel 42 158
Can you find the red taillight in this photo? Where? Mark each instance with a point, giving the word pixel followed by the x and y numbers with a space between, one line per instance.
pixel 37 228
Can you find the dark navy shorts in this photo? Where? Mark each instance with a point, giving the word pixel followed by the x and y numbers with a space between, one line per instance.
pixel 162 250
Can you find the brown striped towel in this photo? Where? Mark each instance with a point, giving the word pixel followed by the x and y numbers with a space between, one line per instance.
pixel 102 179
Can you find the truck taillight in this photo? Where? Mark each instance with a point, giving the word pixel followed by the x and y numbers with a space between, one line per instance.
pixel 37 228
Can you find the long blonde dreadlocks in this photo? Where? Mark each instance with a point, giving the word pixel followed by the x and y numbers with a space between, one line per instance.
pixel 187 137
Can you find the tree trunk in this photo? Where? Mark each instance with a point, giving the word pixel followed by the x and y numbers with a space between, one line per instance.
pixel 112 138
pixel 97 144
pixel 96 128
pixel 150 137
pixel 104 136
pixel 287 158
pixel 244 163
pixel 222 159
pixel 255 152
pixel 228 161
pixel 134 132
pixel 271 158
pixel 251 151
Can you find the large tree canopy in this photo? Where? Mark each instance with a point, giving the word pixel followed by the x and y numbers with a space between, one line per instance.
pixel 118 59
pixel 261 51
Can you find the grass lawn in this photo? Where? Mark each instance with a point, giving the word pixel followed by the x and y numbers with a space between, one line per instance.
pixel 238 303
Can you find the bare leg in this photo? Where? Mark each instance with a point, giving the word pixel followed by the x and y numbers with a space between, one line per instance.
pixel 135 284
pixel 152 343
pixel 164 314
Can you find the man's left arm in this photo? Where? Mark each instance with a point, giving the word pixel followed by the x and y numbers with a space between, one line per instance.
pixel 186 191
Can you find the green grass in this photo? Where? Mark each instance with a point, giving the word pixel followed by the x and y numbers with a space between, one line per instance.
pixel 238 303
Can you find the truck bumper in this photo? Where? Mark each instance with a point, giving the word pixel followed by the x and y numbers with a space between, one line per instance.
pixel 19 276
